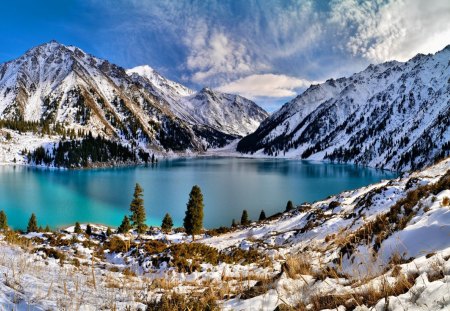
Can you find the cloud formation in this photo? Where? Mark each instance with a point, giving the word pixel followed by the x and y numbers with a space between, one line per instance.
pixel 265 85
pixel 396 30
pixel 212 55
pixel 269 48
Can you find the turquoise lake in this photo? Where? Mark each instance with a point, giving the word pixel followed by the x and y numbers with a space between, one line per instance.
pixel 229 185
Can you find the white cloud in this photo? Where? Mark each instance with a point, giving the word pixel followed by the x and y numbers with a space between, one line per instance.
pixel 212 54
pixel 265 85
pixel 397 29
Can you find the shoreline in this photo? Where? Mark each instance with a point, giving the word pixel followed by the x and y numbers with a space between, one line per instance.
pixel 198 156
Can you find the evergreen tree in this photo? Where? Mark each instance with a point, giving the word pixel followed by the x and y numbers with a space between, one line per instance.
pixel 244 218
pixel 193 221
pixel 88 229
pixel 167 223
pixel 289 206
pixel 137 210
pixel 262 216
pixel 233 223
pixel 3 221
pixel 108 231
pixel 47 229
pixel 77 228
pixel 32 224
pixel 125 226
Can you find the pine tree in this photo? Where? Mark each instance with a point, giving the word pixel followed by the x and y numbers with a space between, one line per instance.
pixel 108 231
pixel 289 206
pixel 124 226
pixel 77 228
pixel 88 229
pixel 137 210
pixel 47 229
pixel 262 216
pixel 32 224
pixel 3 221
pixel 193 221
pixel 244 218
pixel 233 223
pixel 167 223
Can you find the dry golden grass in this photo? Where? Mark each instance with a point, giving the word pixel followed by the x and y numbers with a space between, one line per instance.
pixel 297 265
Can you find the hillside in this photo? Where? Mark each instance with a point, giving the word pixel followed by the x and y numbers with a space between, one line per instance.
pixel 59 91
pixel 392 115
pixel 384 246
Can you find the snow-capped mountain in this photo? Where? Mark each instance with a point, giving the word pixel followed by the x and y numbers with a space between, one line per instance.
pixel 226 113
pixel 393 115
pixel 57 84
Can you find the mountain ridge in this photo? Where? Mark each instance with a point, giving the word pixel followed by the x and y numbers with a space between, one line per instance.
pixel 360 119
pixel 60 85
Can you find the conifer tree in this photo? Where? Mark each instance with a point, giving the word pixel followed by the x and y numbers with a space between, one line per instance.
pixel 193 221
pixel 137 210
pixel 262 216
pixel 108 231
pixel 125 226
pixel 167 223
pixel 233 223
pixel 32 224
pixel 289 206
pixel 244 218
pixel 47 229
pixel 77 228
pixel 3 221
pixel 88 229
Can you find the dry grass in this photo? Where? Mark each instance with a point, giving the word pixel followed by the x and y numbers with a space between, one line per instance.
pixel 297 265
pixel 368 295
pixel 207 301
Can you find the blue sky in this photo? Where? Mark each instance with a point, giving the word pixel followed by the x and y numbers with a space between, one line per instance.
pixel 266 50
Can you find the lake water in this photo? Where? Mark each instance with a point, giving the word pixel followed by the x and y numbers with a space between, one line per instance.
pixel 229 185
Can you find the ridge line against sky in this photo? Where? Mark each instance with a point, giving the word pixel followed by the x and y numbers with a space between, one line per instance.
pixel 268 51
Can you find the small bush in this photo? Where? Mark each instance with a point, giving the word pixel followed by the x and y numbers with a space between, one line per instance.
pixel 334 204
pixel 446 201
pixel 52 253
pixel 219 231
pixel 187 257
pixel 174 301
pixel 116 245
pixel 154 247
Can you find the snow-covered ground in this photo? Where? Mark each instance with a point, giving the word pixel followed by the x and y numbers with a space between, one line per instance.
pixel 327 255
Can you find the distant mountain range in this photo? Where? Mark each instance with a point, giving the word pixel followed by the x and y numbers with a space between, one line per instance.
pixel 61 85
pixel 393 115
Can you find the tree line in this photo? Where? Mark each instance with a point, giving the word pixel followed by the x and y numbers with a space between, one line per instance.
pixel 81 153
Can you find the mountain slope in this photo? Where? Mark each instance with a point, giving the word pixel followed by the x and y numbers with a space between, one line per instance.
pixel 58 86
pixel 393 115
pixel 226 113
pixel 53 84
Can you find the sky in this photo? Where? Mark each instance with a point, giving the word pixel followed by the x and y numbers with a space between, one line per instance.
pixel 266 50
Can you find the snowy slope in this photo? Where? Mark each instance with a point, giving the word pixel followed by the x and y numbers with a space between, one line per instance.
pixel 226 113
pixel 57 84
pixel 392 115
